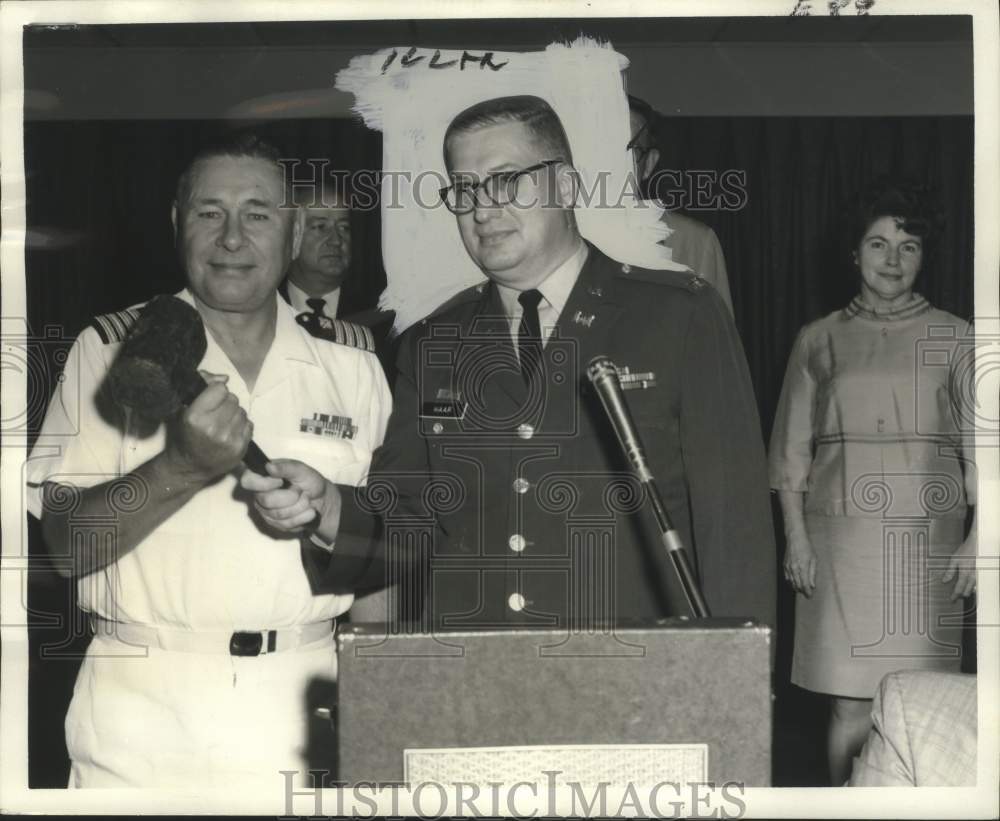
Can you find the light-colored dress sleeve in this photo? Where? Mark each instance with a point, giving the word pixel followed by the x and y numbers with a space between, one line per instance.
pixel 791 452
pixel 962 386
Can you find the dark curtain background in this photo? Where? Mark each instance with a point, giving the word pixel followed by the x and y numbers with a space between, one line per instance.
pixel 787 262
pixel 98 198
pixel 99 194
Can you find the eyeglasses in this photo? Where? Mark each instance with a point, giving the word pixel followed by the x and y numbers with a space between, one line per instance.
pixel 640 150
pixel 462 196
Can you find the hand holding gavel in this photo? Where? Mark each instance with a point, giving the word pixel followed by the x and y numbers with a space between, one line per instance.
pixel 156 375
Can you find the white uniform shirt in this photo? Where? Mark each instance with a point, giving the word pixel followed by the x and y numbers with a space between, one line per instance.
pixel 209 566
pixel 298 298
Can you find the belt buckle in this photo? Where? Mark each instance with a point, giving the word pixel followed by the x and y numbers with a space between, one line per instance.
pixel 246 644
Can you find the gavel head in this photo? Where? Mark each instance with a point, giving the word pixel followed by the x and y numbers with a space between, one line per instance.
pixel 156 370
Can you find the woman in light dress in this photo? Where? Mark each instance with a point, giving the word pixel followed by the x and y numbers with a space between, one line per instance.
pixel 869 457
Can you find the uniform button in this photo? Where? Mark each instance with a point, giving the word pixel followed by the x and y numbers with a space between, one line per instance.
pixel 525 431
pixel 885 332
pixel 437 427
pixel 517 542
pixel 521 485
pixel 881 425
pixel 515 601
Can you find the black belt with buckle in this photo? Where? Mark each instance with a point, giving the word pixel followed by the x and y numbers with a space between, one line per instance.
pixel 251 644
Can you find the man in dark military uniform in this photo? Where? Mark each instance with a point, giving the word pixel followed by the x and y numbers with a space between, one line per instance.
pixel 499 463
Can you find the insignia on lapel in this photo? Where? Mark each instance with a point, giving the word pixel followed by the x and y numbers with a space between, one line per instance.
pixel 696 283
pixel 626 267
pixel 324 424
pixel 593 290
pixel 636 381
pixel 580 318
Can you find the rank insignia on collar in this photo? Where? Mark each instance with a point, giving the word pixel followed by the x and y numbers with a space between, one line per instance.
pixel 593 290
pixel 636 381
pixel 580 318
pixel 324 424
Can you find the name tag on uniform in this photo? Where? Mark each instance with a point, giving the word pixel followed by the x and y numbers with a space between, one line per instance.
pixel 446 405
pixel 450 409
pixel 325 424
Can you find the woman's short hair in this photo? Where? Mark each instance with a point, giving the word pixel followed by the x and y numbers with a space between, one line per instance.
pixel 912 202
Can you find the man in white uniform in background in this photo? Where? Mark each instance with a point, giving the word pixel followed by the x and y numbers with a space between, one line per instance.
pixel 208 631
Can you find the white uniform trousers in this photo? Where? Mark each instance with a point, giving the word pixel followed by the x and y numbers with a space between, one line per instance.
pixel 146 717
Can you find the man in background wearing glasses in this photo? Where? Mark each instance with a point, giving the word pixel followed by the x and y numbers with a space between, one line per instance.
pixel 692 243
pixel 499 445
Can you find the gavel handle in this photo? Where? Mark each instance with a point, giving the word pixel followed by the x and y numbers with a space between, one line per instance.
pixel 255 459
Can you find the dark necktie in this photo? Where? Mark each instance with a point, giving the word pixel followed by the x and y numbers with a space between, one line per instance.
pixel 316 304
pixel 529 336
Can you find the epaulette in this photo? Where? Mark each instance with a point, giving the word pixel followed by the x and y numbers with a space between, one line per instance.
pixel 114 327
pixel 686 280
pixel 470 294
pixel 338 330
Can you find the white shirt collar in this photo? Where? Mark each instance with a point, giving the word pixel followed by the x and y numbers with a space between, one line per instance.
pixel 290 339
pixel 555 288
pixel 298 299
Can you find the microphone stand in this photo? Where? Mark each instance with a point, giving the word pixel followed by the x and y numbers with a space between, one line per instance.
pixel 604 376
pixel 675 549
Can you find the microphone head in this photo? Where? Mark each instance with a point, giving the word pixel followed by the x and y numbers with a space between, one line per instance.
pixel 155 372
pixel 600 368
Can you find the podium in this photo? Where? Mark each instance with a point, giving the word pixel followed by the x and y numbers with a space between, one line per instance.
pixel 679 701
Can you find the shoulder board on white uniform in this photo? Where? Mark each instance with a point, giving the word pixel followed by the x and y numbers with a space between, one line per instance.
pixel 685 280
pixel 114 327
pixel 339 331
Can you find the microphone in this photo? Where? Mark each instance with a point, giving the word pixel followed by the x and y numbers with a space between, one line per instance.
pixel 156 371
pixel 603 375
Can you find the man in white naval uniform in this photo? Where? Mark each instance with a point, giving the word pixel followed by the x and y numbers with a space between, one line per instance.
pixel 208 631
